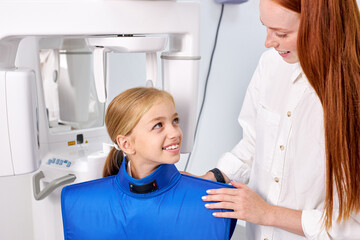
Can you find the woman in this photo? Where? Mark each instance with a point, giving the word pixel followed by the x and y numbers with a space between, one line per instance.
pixel 300 151
pixel 143 196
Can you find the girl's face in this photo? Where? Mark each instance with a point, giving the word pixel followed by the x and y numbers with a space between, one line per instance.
pixel 156 139
pixel 282 27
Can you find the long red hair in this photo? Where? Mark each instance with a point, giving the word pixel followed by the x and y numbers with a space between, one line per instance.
pixel 329 53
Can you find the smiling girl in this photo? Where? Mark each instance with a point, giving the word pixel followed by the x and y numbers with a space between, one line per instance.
pixel 144 125
pixel 142 194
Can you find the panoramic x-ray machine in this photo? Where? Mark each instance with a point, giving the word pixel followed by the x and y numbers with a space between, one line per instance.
pixel 54 86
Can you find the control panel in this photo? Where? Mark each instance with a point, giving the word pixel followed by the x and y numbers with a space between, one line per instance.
pixel 59 162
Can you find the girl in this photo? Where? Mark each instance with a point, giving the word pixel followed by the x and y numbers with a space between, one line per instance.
pixel 143 196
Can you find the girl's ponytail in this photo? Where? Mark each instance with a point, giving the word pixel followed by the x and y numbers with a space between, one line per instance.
pixel 113 162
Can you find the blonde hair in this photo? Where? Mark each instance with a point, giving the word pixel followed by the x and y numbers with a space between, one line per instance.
pixel 123 114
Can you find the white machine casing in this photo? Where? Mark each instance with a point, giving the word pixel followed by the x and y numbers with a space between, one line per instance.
pixel 18 129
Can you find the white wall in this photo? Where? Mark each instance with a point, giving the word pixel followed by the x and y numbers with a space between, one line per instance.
pixel 240 44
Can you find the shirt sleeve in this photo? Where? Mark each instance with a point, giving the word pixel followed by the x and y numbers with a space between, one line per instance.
pixel 236 164
pixel 312 224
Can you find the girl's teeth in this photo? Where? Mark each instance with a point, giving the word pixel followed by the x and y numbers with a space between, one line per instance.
pixel 172 147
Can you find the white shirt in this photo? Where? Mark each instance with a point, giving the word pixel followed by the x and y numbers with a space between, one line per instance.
pixel 282 153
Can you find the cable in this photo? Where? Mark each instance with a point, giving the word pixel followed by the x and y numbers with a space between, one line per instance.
pixel 206 81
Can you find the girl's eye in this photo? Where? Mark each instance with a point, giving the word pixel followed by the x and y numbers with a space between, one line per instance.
pixel 176 121
pixel 158 125
pixel 281 35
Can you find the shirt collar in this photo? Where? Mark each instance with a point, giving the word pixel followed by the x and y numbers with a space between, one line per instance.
pixel 297 72
pixel 164 177
pixel 298 76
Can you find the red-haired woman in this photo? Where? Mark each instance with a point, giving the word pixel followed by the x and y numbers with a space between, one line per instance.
pixel 300 151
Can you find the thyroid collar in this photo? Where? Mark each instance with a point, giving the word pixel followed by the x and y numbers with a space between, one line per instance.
pixel 163 178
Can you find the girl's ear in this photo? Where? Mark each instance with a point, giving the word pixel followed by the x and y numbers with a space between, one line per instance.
pixel 125 144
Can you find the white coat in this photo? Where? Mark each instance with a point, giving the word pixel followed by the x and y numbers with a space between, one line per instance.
pixel 282 153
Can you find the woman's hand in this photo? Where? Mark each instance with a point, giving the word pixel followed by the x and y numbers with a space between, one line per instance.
pixel 246 204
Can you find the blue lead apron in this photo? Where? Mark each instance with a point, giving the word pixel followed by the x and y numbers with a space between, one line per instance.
pixel 163 205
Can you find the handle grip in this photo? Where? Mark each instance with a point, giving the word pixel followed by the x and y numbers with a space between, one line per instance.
pixel 41 194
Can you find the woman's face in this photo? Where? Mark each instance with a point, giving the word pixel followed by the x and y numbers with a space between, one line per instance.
pixel 282 27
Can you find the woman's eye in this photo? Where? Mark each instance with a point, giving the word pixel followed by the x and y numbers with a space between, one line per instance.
pixel 281 35
pixel 176 121
pixel 158 125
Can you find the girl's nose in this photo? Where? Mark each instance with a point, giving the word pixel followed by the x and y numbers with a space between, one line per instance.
pixel 174 132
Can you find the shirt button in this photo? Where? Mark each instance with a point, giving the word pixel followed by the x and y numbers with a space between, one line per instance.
pixel 276 179
pixel 289 114
pixel 282 147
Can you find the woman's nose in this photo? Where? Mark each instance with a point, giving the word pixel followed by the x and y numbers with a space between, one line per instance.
pixel 269 41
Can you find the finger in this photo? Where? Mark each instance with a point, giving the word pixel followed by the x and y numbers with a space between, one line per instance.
pixel 218 198
pixel 225 215
pixel 228 191
pixel 221 205
pixel 238 184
